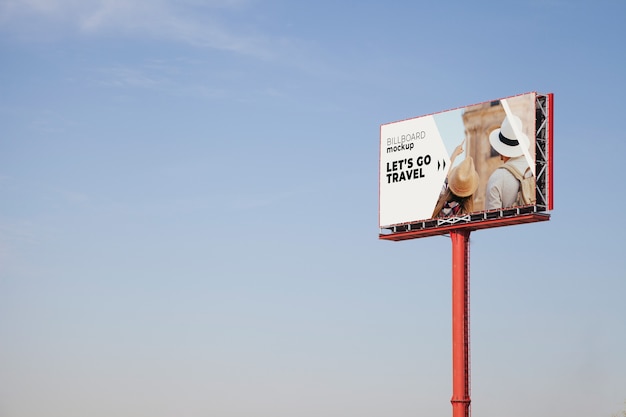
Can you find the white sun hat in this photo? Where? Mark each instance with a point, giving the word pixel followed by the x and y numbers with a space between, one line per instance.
pixel 506 142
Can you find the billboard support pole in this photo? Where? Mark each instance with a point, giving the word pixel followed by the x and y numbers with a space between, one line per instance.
pixel 460 324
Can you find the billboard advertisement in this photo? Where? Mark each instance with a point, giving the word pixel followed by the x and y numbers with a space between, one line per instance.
pixel 466 165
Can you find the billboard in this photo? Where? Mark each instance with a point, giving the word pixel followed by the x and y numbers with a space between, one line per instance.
pixel 479 166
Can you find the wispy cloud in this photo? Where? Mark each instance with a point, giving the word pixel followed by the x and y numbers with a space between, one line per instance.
pixel 131 77
pixel 200 23
pixel 173 79
pixel 220 25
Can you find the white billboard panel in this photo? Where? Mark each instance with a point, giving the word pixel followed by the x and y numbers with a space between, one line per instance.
pixel 413 167
pixel 460 162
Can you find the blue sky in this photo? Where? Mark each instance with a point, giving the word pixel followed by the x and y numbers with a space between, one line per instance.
pixel 188 222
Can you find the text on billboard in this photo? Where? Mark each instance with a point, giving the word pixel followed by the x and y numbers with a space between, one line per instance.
pixel 404 142
pixel 406 169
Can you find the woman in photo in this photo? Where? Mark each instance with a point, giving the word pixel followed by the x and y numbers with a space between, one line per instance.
pixel 458 196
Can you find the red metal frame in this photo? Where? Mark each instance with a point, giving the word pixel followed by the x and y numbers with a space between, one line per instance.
pixel 550 150
pixel 444 230
pixel 460 324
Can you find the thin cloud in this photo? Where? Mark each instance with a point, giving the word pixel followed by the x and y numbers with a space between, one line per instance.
pixel 225 25
pixel 192 22
pixel 130 77
pixel 162 78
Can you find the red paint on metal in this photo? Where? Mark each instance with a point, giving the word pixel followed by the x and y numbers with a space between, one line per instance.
pixel 550 151
pixel 485 224
pixel 460 324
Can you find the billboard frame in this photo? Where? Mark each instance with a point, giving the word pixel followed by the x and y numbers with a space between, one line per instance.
pixel 544 133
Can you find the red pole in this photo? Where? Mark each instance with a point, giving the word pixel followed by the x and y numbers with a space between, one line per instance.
pixel 460 324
